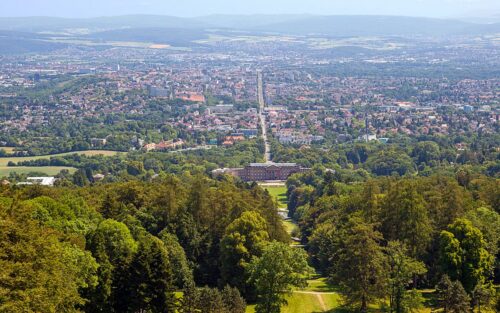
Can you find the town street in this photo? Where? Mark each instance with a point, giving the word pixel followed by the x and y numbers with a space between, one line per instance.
pixel 262 104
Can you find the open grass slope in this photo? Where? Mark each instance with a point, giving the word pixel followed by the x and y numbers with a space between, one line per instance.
pixel 5 160
pixel 278 193
pixel 308 303
pixel 47 170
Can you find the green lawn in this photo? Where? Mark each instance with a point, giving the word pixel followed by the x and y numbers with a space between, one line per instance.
pixel 279 193
pixel 307 303
pixel 48 170
pixel 5 160
pixel 9 150
pixel 320 284
pixel 320 296
pixel 290 226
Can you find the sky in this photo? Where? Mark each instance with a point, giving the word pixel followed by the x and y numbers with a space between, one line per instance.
pixel 189 8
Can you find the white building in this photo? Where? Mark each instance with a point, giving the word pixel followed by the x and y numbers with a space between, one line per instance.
pixel 43 181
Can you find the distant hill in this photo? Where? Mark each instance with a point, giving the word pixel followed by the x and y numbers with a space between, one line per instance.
pixel 376 26
pixel 248 22
pixel 46 24
pixel 170 36
pixel 341 25
pixel 14 42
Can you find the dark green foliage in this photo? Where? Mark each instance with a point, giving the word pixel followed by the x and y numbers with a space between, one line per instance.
pixel 233 301
pixel 404 217
pixel 113 248
pixel 360 265
pixel 402 269
pixel 390 162
pixel 150 281
pixel 183 274
pixel 426 214
pixel 452 296
pixel 211 300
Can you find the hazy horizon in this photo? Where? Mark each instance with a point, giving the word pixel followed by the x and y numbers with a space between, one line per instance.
pixel 194 8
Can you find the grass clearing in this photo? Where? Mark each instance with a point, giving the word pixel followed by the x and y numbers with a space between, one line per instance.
pixel 320 284
pixel 4 161
pixel 48 170
pixel 307 303
pixel 278 193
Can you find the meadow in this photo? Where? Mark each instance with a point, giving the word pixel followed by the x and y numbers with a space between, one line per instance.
pixel 47 170
pixel 5 160
pixel 279 194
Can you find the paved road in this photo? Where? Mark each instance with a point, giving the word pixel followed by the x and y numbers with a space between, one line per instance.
pixel 262 118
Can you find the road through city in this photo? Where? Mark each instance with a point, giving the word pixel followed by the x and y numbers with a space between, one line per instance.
pixel 262 118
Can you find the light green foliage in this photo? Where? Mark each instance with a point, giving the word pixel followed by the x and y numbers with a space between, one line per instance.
pixel 483 296
pixel 488 222
pixel 463 254
pixel 412 301
pixel 115 240
pixel 245 238
pixel 280 269
pixel 40 272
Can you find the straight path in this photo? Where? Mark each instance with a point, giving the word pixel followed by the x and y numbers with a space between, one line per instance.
pixel 321 302
pixel 262 119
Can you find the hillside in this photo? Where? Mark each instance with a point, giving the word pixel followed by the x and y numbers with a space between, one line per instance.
pixel 14 42
pixel 335 25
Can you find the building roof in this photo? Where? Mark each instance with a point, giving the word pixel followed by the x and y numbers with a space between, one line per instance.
pixel 272 164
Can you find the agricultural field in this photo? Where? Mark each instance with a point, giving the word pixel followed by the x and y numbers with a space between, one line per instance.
pixel 5 160
pixel 48 170
pixel 8 150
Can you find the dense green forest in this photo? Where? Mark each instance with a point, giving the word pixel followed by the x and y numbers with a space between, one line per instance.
pixel 188 243
pixel 387 237
pixel 128 247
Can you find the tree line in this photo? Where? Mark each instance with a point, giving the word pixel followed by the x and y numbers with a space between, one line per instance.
pixel 382 239
pixel 178 244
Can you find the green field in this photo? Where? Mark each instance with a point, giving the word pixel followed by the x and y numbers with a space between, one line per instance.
pixel 308 303
pixel 48 170
pixel 319 284
pixel 4 161
pixel 9 150
pixel 279 193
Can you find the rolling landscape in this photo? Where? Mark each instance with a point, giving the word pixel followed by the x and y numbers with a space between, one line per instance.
pixel 250 157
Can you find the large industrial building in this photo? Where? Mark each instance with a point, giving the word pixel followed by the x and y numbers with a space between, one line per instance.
pixel 263 171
